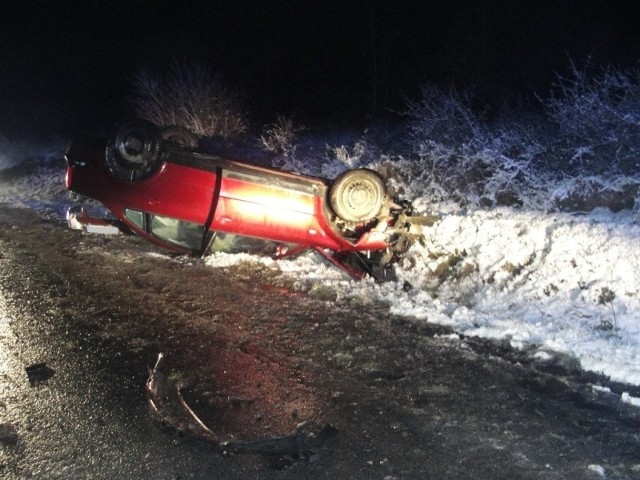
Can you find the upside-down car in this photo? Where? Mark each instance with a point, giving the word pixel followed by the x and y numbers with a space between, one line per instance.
pixel 160 187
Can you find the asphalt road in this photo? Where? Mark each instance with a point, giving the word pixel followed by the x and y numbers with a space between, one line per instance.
pixel 83 318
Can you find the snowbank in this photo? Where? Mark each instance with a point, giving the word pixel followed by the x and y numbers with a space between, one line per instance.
pixel 562 282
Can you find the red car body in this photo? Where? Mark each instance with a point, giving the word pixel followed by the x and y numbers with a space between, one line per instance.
pixel 198 194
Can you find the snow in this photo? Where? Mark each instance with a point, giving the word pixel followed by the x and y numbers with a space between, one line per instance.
pixel 626 398
pixel 567 283
pixel 599 470
pixel 554 283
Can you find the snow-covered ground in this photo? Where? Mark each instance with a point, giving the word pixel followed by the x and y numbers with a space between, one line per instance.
pixel 551 282
pixel 567 283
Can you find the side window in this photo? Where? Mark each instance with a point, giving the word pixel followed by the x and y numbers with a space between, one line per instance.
pixel 229 243
pixel 136 217
pixel 184 234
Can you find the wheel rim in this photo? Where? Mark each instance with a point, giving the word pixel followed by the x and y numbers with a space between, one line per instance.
pixel 361 198
pixel 357 195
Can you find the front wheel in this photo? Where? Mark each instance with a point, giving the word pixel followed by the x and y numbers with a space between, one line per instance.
pixel 357 195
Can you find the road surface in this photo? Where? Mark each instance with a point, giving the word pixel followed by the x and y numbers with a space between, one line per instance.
pixel 83 318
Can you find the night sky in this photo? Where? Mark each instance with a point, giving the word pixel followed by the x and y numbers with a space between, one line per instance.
pixel 67 66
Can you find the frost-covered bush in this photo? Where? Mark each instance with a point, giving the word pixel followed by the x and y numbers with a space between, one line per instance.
pixel 351 157
pixel 189 96
pixel 584 153
pixel 443 121
pixel 587 192
pixel 354 149
pixel 463 157
pixel 597 120
pixel 281 136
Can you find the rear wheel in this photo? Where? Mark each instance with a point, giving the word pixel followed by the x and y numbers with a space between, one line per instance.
pixel 135 153
pixel 357 195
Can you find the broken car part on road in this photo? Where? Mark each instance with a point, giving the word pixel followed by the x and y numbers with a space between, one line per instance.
pixel 166 399
pixel 182 199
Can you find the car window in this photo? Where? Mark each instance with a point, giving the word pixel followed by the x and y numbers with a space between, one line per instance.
pixel 136 217
pixel 184 234
pixel 229 243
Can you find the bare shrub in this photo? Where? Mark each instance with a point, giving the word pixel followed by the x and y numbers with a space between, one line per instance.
pixel 597 118
pixel 281 136
pixel 189 96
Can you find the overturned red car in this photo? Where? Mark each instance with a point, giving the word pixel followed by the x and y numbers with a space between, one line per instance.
pixel 187 200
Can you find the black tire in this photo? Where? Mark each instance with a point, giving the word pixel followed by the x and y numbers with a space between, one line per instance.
pixel 180 136
pixel 357 195
pixel 135 153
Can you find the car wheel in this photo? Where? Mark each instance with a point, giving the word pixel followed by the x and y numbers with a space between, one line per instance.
pixel 135 153
pixel 180 136
pixel 357 195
